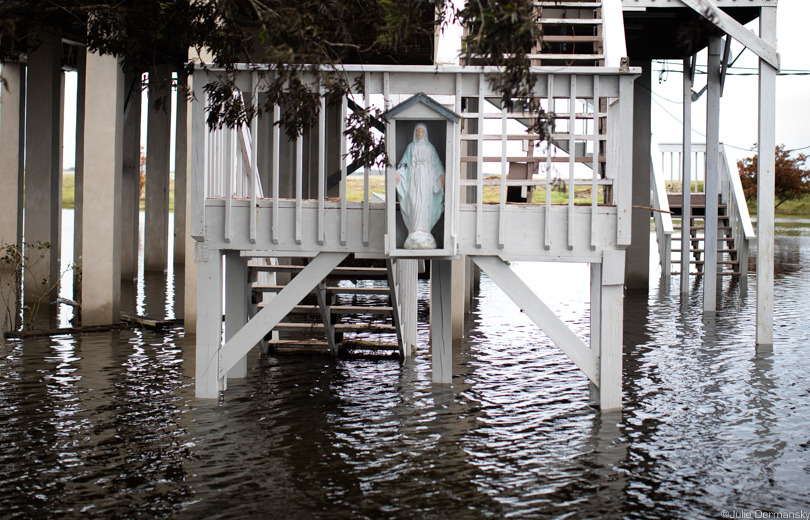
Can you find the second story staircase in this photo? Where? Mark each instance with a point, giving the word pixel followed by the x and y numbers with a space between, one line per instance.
pixel 734 228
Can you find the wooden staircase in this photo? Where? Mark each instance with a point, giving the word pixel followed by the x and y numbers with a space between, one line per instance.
pixel 572 33
pixel 728 262
pixel 353 300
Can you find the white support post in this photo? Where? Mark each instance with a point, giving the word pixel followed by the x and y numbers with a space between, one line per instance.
pixel 611 325
pixel 765 182
pixel 596 319
pixel 623 141
pixel 441 337
pixel 460 280
pixel 208 381
pixel 237 292
pixel 103 165
pixel 407 280
pixel 712 179
pixel 686 183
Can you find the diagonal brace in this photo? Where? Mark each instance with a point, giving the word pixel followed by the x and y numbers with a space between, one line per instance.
pixel 500 273
pixel 249 335
pixel 730 26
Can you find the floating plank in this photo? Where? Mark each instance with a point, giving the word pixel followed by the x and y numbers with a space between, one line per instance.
pixel 149 321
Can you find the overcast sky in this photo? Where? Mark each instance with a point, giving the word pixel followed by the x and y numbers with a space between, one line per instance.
pixel 738 107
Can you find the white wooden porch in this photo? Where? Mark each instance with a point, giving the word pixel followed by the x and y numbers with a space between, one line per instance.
pixel 258 194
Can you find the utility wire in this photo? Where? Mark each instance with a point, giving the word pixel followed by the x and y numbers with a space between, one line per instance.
pixel 700 134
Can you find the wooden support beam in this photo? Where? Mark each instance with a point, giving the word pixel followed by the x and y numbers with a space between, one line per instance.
pixel 541 315
pixel 765 184
pixel 208 382
pixel 407 280
pixel 686 159
pixel 441 337
pixel 611 304
pixel 283 303
pixel 712 183
pixel 199 154
pixel 759 46
pixel 237 292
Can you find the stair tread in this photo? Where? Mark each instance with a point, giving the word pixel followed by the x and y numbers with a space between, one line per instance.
pixel 345 309
pixel 343 327
pixel 333 289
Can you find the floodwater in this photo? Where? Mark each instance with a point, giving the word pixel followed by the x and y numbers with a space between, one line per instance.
pixel 106 425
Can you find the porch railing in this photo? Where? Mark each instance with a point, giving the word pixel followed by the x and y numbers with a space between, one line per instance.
pixel 590 122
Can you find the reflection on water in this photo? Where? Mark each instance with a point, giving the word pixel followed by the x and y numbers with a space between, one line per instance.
pixel 106 425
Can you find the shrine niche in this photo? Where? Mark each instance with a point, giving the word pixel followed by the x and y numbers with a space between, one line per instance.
pixel 421 178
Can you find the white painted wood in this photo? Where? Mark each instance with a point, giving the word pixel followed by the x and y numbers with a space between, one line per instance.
pixel 252 159
pixel 624 159
pixel 455 191
pixel 596 308
pixel 237 294
pixel 407 274
pixel 199 158
pixel 479 190
pixel 390 188
pixel 712 182
pixel 229 158
pixel 759 46
pixel 540 314
pixel 610 360
pixel 765 183
pixel 549 109
pixel 613 37
pixel 663 220
pixel 504 172
pixel 249 335
pixel 392 268
pixel 387 91
pixel 522 239
pixel 686 186
pixel 321 165
pixel 595 163
pixel 366 169
pixel 441 337
pixel 209 381
pixel 572 153
pixel 276 152
pixel 343 172
pixel 299 187
pixel 460 280
pixel 738 195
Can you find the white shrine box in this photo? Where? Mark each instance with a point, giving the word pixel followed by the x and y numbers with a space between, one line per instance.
pixel 443 133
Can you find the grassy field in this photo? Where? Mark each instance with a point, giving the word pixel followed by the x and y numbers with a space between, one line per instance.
pixel 354 191
pixel 69 188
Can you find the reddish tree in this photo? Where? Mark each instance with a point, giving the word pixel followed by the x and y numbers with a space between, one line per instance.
pixel 792 182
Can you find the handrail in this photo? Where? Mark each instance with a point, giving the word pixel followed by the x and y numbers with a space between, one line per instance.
pixel 738 196
pixel 663 219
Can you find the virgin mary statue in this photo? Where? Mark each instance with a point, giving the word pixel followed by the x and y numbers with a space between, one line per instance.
pixel 420 186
